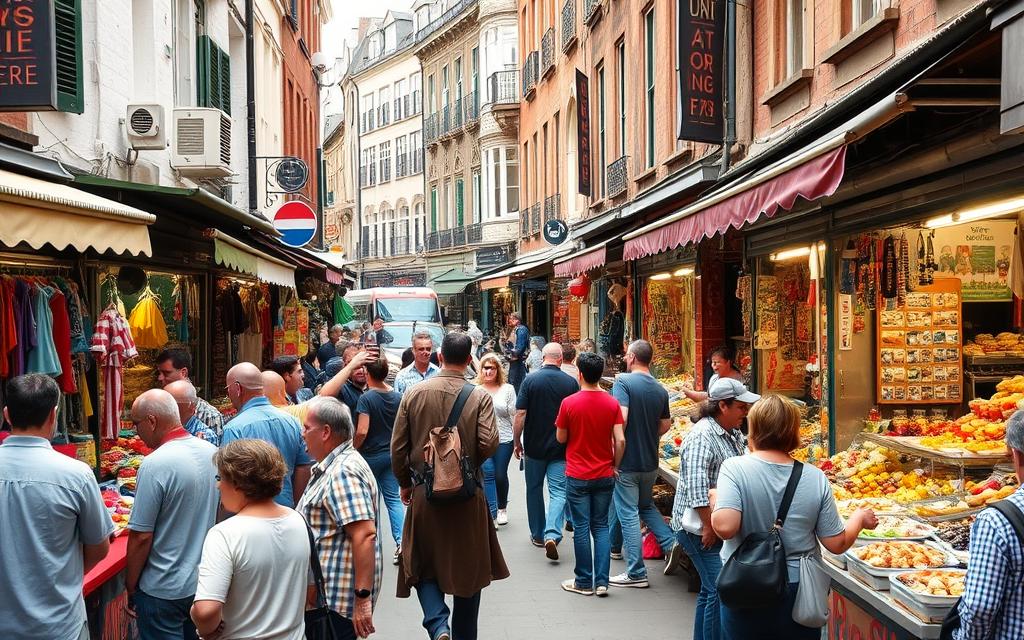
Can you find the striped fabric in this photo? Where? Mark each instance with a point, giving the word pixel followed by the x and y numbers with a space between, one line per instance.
pixel 342 490
pixel 112 345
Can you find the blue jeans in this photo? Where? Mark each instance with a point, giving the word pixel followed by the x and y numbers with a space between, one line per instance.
pixel 708 562
pixel 775 623
pixel 588 502
pixel 160 619
pixel 496 477
pixel 380 465
pixel 516 373
pixel 545 525
pixel 464 612
pixel 632 502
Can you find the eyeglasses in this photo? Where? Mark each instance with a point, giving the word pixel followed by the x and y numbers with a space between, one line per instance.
pixel 489 368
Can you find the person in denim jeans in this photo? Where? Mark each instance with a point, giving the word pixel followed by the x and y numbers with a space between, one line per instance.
pixel 375 420
pixel 590 423
pixel 645 408
pixel 715 438
pixel 492 378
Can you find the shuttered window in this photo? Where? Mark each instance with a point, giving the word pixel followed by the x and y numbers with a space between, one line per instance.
pixel 68 27
pixel 214 73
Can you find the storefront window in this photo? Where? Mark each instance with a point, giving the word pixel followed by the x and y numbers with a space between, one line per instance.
pixel 561 300
pixel 668 321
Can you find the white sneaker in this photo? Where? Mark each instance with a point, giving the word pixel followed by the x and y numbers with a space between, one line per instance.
pixel 570 585
pixel 623 580
pixel 601 591
pixel 397 557
pixel 502 518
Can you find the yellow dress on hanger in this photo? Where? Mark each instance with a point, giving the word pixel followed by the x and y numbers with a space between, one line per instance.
pixel 147 323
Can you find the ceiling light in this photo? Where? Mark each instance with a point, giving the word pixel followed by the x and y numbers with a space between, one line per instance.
pixel 976 213
pixel 661 276
pixel 789 254
pixel 685 271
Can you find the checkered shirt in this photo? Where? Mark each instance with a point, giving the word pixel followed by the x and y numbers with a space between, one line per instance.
pixel 706 447
pixel 209 416
pixel 992 607
pixel 341 490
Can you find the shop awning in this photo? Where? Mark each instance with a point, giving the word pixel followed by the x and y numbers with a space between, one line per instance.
pixel 235 254
pixel 38 212
pixel 500 277
pixel 450 282
pixel 582 262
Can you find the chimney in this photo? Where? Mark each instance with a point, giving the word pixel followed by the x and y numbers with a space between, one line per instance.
pixel 364 26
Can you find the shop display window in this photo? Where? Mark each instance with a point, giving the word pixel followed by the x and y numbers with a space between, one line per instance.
pixel 669 321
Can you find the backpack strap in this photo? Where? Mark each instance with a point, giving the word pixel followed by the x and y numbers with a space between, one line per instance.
pixel 1012 513
pixel 460 404
pixel 787 497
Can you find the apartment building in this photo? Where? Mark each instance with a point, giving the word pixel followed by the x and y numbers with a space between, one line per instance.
pixel 384 103
pixel 471 157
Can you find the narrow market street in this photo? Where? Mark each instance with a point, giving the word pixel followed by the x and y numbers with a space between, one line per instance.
pixel 531 604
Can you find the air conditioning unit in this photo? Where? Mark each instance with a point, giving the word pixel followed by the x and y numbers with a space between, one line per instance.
pixel 202 143
pixel 146 126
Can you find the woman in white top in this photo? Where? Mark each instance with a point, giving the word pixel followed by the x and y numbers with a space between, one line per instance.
pixel 749 492
pixel 252 576
pixel 492 378
pixel 722 360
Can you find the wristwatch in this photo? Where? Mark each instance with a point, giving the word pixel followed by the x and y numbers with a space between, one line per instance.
pixel 363 593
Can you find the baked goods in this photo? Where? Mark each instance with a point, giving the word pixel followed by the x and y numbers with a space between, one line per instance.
pixel 988 496
pixel 896 527
pixel 956 533
pixel 878 505
pixel 940 507
pixel 934 583
pixel 900 555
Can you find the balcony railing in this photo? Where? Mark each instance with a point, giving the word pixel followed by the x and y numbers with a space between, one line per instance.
pixel 475 233
pixel 535 219
pixel 547 52
pixel 430 126
pixel 457 114
pixel 531 73
pixel 446 121
pixel 591 10
pixel 501 87
pixel 568 24
pixel 365 250
pixel 617 176
pixel 524 222
pixel 471 107
pixel 399 245
pixel 445 17
pixel 459 237
pixel 551 208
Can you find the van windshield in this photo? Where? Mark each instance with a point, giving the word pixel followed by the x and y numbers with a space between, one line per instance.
pixel 408 309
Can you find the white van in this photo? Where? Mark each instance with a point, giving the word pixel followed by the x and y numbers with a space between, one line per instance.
pixel 394 304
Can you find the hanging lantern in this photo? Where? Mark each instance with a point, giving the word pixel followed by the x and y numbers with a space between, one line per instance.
pixel 579 287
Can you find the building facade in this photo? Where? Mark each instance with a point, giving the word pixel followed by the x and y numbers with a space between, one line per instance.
pixel 340 234
pixel 384 102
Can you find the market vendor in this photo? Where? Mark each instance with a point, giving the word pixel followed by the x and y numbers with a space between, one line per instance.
pixel 722 360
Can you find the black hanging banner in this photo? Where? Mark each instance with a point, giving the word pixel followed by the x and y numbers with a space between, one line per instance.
pixel 28 53
pixel 583 132
pixel 700 40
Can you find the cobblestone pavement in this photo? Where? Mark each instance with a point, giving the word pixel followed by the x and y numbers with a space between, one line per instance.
pixel 530 605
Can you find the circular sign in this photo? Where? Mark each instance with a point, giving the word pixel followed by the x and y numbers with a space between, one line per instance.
pixel 556 231
pixel 291 174
pixel 297 223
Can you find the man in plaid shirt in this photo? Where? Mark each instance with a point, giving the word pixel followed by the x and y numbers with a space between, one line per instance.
pixel 340 505
pixel 992 607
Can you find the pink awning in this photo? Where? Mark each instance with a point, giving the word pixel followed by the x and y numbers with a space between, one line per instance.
pixel 814 179
pixel 582 263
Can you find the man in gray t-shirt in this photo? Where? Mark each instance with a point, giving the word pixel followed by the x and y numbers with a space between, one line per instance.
pixel 175 505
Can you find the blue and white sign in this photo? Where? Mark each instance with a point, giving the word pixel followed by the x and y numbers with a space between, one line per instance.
pixel 297 223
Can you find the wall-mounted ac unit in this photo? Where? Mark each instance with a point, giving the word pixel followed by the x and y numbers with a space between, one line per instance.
pixel 146 126
pixel 202 143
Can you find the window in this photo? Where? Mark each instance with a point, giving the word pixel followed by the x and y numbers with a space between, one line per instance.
pixel 794 37
pixel 602 156
pixel 460 205
pixel 649 72
pixel 385 161
pixel 416 152
pixel 476 196
pixel 444 86
pixel 511 179
pixel 417 93
pixel 458 78
pixel 417 224
pixel 401 159
pixel 526 171
pixel 372 164
pixel 430 94
pixel 861 11
pixel 557 156
pixel 544 158
pixel 476 76
pixel 620 55
pixel 433 208
pixel 214 76
pixel 399 94
pixel 449 203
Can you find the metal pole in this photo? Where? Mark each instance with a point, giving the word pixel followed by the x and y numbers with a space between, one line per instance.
pixel 730 83
pixel 250 101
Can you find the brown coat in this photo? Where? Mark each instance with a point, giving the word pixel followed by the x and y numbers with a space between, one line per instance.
pixel 454 544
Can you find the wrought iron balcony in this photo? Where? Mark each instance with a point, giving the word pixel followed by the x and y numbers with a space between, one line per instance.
pixel 446 121
pixel 430 129
pixel 568 24
pixel 552 208
pixel 459 236
pixel 457 115
pixel 531 74
pixel 471 108
pixel 453 11
pixel 547 52
pixel 535 219
pixel 501 88
pixel 524 222
pixel 617 176
pixel 592 10
pixel 475 233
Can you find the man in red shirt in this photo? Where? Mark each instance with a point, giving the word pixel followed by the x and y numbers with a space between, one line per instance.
pixel 590 423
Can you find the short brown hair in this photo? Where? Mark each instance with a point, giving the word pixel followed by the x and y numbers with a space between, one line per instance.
pixel 255 467
pixel 568 352
pixel 774 424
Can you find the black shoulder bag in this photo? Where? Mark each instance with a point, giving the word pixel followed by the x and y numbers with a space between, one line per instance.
pixel 1010 511
pixel 755 576
pixel 323 622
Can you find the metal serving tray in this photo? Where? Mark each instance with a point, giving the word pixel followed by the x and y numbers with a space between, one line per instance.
pixel 879 578
pixel 930 611
pixel 925 599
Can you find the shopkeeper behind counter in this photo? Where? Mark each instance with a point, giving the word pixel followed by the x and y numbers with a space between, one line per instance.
pixel 722 360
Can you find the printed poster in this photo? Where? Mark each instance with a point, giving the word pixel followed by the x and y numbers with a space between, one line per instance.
pixel 845 322
pixel 979 255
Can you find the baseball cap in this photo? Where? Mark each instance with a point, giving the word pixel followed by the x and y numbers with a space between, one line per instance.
pixel 729 389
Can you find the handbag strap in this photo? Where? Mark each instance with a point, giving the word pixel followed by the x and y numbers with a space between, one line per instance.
pixel 460 404
pixel 787 497
pixel 318 572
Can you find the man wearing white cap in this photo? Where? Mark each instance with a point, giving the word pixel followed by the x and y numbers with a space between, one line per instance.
pixel 714 438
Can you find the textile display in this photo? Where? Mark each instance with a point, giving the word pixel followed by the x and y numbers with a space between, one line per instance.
pixel 147 322
pixel 113 346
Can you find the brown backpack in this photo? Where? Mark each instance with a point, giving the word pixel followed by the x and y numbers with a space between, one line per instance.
pixel 448 472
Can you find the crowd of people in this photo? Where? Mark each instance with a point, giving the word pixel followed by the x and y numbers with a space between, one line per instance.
pixel 230 515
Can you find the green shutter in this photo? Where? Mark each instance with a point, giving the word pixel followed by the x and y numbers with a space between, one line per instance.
pixel 433 208
pixel 459 219
pixel 203 71
pixel 68 29
pixel 213 77
pixel 225 82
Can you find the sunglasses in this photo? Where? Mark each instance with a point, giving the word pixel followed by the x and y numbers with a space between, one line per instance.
pixel 490 368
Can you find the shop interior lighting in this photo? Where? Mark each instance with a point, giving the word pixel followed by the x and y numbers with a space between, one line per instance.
pixel 685 271
pixel 661 276
pixel 977 213
pixel 789 254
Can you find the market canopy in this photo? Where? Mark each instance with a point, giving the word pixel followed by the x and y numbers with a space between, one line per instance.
pixel 450 282
pixel 235 254
pixel 582 262
pixel 500 277
pixel 38 212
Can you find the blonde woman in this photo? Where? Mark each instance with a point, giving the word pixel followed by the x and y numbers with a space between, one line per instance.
pixel 491 377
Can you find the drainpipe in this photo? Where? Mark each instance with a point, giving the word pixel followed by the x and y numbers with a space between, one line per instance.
pixel 730 83
pixel 250 102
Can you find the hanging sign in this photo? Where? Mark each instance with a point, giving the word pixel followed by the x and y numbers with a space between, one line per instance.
pixel 28 55
pixel 979 254
pixel 297 223
pixel 700 39
pixel 291 174
pixel 555 231
pixel 583 133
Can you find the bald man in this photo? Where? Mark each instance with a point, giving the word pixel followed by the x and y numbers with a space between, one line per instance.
pixel 275 388
pixel 175 505
pixel 188 403
pixel 257 418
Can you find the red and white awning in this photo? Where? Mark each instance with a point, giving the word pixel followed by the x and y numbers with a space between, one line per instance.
pixel 581 263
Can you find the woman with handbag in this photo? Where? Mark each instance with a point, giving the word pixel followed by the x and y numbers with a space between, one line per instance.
pixel 750 500
pixel 252 575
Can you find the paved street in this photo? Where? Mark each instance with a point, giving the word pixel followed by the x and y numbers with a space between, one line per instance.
pixel 531 604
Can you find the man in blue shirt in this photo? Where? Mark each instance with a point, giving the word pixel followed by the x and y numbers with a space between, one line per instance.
pixel 290 370
pixel 185 396
pixel 421 368
pixel 349 382
pixel 257 418
pixel 518 350
pixel 175 505
pixel 41 567
pixel 328 349
pixel 534 434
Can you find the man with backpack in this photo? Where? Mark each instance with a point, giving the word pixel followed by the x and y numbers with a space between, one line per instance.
pixel 449 545
pixel 992 607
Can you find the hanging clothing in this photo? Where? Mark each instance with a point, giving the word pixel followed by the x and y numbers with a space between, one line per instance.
pixel 113 345
pixel 25 326
pixel 181 311
pixel 44 358
pixel 147 323
pixel 62 342
pixel 8 329
pixel 889 268
pixel 250 349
